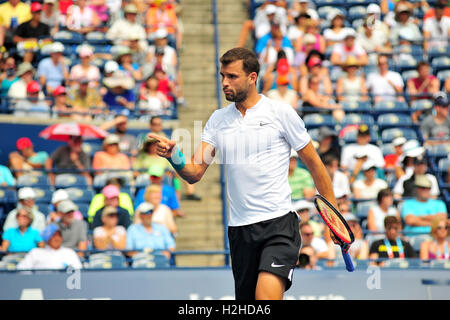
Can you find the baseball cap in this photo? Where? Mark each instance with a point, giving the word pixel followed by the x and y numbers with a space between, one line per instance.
pixel 111 139
pixel 156 171
pixel 350 33
pixel 160 34
pixel 49 231
pixel 35 7
pixel 23 143
pixel 403 7
pixel 373 8
pixel 441 99
pixel 325 132
pixel 66 206
pixel 109 210
pixel 350 217
pixel 422 181
pixel 145 208
pixel 57 47
pixel 314 61
pixel 398 141
pixel 26 193
pixel 59 195
pixel 412 149
pixel 368 164
pixel 111 191
pixel 363 130
pixel 23 68
pixel 59 90
pixel 303 204
pixel 130 8
pixel 33 87
pixel 340 192
pixel 85 51
pixel 111 66
pixel 270 9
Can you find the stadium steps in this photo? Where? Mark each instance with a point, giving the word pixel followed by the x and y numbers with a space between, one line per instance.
pixel 202 228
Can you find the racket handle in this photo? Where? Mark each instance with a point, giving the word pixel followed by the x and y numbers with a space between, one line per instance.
pixel 348 261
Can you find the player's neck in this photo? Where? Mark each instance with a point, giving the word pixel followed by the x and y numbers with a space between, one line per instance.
pixel 252 99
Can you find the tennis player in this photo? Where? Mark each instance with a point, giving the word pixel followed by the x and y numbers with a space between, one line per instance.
pixel 254 136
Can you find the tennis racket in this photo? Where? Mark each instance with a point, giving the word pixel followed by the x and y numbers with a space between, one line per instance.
pixel 338 227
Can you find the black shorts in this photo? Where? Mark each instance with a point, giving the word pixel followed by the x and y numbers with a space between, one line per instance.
pixel 272 245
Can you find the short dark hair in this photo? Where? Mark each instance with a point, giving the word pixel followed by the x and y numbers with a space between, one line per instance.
pixel 249 59
pixel 153 118
pixel 329 158
pixel 390 220
pixel 383 193
pixel 422 63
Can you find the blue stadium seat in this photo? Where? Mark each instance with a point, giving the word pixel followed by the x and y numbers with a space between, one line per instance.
pixel 442 76
pixel 357 118
pixel 362 209
pixel 390 107
pixel 391 120
pixel 439 64
pixel 80 194
pixel 409 74
pixel 44 208
pixel 329 3
pixel 83 207
pixel 150 260
pixel 387 135
pixel 43 195
pixel 318 120
pixel 31 180
pixel 436 52
pixel 356 12
pixel 421 105
pixel 97 38
pixel 142 181
pixel 68 37
pixel 106 261
pixel 387 149
pixel 68 180
pixel 90 148
pixel 437 152
pixel 352 3
pixel 406 64
pixel 360 106
pixel 350 136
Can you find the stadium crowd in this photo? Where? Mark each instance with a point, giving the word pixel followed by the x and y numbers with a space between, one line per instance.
pixel 370 81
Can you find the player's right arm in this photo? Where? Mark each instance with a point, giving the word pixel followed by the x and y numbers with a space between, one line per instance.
pixel 191 170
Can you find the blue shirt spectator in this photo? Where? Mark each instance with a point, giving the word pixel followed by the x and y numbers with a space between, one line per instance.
pixel 52 71
pixel 6 178
pixel 112 100
pixel 263 41
pixel 120 95
pixel 419 213
pixel 160 238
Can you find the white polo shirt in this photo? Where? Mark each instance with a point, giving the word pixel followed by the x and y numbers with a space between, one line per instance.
pixel 255 150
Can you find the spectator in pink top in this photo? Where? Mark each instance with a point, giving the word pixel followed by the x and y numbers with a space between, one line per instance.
pixel 85 70
pixel 424 85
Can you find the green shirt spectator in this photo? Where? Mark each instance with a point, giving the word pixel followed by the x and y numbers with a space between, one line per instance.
pixel 300 180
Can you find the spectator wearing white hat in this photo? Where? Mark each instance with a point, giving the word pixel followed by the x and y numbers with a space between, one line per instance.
pixel 403 24
pixel 85 70
pixel 26 198
pixel 337 31
pixel 405 186
pixel 52 71
pixel 374 19
pixel 110 235
pixel 347 48
pixel 110 157
pixel 368 187
pixel 122 29
pixel 73 231
pixel 393 160
pixel 59 196
pixel 53 256
pixel 372 39
pixel 51 15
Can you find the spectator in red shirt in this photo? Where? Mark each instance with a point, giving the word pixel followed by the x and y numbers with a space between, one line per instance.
pixel 424 85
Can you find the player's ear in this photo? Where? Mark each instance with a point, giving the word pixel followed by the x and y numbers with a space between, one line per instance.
pixel 253 77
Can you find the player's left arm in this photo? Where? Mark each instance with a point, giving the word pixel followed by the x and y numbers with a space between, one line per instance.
pixel 319 173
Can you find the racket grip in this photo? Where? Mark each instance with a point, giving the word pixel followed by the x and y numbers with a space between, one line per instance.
pixel 348 261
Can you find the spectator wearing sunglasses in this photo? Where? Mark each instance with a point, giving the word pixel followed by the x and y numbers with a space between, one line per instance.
pixel 438 247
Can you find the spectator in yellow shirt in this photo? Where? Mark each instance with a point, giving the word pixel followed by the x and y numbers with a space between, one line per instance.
pixel 12 13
